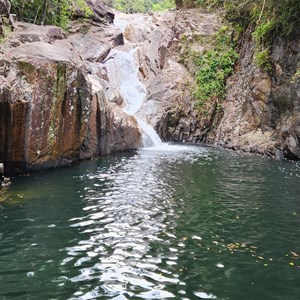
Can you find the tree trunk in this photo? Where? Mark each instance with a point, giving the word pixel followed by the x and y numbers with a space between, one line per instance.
pixel 45 8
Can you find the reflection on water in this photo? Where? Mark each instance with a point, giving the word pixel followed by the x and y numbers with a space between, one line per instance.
pixel 134 207
pixel 173 222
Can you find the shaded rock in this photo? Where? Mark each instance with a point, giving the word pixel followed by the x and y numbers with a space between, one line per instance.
pixel 100 11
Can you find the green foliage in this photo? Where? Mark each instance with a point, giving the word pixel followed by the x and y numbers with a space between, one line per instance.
pixel 275 17
pixel 267 19
pixel 5 30
pixel 49 12
pixel 262 31
pixel 141 6
pixel 262 60
pixel 163 5
pixel 214 66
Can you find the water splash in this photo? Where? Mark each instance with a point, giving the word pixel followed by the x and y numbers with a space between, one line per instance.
pixel 150 136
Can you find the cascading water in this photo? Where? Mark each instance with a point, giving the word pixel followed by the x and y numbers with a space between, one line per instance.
pixel 122 66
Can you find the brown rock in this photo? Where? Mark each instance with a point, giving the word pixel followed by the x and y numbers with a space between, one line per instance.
pixel 53 109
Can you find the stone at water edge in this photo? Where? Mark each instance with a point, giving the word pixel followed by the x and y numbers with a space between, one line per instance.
pixel 3 180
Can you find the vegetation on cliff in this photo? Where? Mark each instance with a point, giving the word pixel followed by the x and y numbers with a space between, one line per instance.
pixel 142 6
pixel 59 12
pixel 266 19
pixel 214 66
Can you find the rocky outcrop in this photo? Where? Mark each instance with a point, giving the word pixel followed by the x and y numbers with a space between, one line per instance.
pixel 261 111
pixel 58 104
pixel 53 106
pixel 169 105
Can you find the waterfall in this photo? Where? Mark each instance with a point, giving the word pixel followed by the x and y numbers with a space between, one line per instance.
pixel 123 70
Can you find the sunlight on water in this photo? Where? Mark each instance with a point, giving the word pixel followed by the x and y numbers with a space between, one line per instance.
pixel 165 222
pixel 134 208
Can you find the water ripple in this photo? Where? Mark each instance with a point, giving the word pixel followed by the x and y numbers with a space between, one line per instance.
pixel 195 223
pixel 128 206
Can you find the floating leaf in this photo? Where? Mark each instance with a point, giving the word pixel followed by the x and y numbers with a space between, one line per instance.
pixel 294 254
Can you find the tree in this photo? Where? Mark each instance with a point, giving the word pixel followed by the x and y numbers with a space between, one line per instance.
pixel 43 12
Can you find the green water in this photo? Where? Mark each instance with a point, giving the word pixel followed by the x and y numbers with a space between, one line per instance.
pixel 191 223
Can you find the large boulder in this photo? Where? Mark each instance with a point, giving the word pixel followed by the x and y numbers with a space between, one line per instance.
pixel 53 106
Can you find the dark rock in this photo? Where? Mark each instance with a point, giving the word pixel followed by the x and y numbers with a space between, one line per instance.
pixel 100 11
pixel 256 101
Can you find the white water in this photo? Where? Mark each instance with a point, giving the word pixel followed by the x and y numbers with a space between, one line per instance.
pixel 122 66
pixel 122 69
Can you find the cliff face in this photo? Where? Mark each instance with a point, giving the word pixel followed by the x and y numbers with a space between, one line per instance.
pixel 162 38
pixel 53 108
pixel 261 111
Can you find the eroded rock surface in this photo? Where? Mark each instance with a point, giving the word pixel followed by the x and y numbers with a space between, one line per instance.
pixel 169 104
pixel 59 103
pixel 53 106
pixel 261 113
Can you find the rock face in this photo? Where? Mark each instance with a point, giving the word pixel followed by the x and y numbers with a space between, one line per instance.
pixel 261 113
pixel 53 107
pixel 58 103
pixel 169 104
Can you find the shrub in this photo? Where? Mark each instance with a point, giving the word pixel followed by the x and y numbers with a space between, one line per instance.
pixel 214 66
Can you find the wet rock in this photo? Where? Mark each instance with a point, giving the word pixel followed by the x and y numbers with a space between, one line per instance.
pixel 5 182
pixel 1 174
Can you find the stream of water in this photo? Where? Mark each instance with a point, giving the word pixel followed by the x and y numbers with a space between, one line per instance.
pixel 194 223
